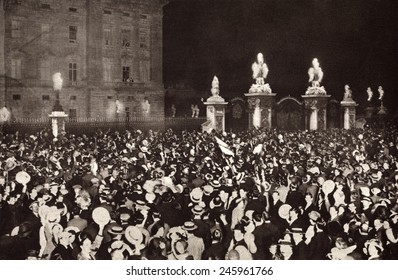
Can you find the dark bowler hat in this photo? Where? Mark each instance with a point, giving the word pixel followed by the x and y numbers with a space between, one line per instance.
pixel 25 229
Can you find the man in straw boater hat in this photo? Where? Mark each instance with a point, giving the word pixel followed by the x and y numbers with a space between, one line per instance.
pixel 196 245
pixel 202 223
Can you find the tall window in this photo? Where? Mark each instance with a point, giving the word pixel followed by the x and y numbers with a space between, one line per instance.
pixel 126 38
pixel 126 73
pixel 16 68
pixel 73 114
pixel 45 32
pixel 16 29
pixel 144 39
pixel 72 34
pixel 145 71
pixel 45 73
pixel 107 69
pixel 72 72
pixel 107 37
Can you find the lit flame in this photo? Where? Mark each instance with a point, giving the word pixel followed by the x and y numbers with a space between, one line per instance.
pixel 57 80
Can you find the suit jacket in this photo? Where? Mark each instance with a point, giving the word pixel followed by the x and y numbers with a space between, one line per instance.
pixel 319 246
pixel 300 251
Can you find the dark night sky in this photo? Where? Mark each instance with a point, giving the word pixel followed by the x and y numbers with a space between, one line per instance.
pixel 354 40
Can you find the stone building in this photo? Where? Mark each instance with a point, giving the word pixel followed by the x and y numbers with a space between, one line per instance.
pixel 109 53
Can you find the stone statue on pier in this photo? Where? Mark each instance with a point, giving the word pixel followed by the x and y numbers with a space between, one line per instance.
pixel 215 109
pixel 146 106
pixel 195 111
pixel 370 94
pixel 260 73
pixel 215 92
pixel 381 93
pixel 315 74
pixel 215 87
pixel 348 105
pixel 383 109
pixel 347 93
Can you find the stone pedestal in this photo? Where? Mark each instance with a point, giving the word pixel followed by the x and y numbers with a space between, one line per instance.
pixel 349 113
pixel 369 111
pixel 315 111
pixel 261 109
pixel 382 110
pixel 58 122
pixel 57 117
pixel 215 113
pixel 381 116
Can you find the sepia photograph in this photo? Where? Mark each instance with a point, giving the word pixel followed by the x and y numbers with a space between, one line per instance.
pixel 142 130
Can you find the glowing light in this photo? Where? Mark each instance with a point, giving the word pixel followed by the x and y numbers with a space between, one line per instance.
pixel 58 81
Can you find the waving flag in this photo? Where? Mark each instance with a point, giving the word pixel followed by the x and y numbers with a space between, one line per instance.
pixel 224 147
pixel 220 142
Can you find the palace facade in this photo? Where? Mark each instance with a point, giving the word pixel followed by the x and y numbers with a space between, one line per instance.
pixel 109 53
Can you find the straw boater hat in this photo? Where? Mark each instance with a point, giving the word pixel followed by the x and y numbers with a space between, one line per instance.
pixel 10 164
pixel 196 195
pixel 284 211
pixel 198 210
pixel 189 226
pixel 116 230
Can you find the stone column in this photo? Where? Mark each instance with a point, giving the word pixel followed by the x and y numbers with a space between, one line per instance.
pixel 315 110
pixel 349 113
pixel 266 106
pixel 314 119
pixel 215 113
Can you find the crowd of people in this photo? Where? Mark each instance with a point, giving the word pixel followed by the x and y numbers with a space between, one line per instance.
pixel 260 194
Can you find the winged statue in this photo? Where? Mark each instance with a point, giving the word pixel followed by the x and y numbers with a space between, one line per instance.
pixel 260 69
pixel 315 73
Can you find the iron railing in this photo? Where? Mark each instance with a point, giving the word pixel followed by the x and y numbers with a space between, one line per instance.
pixel 90 125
